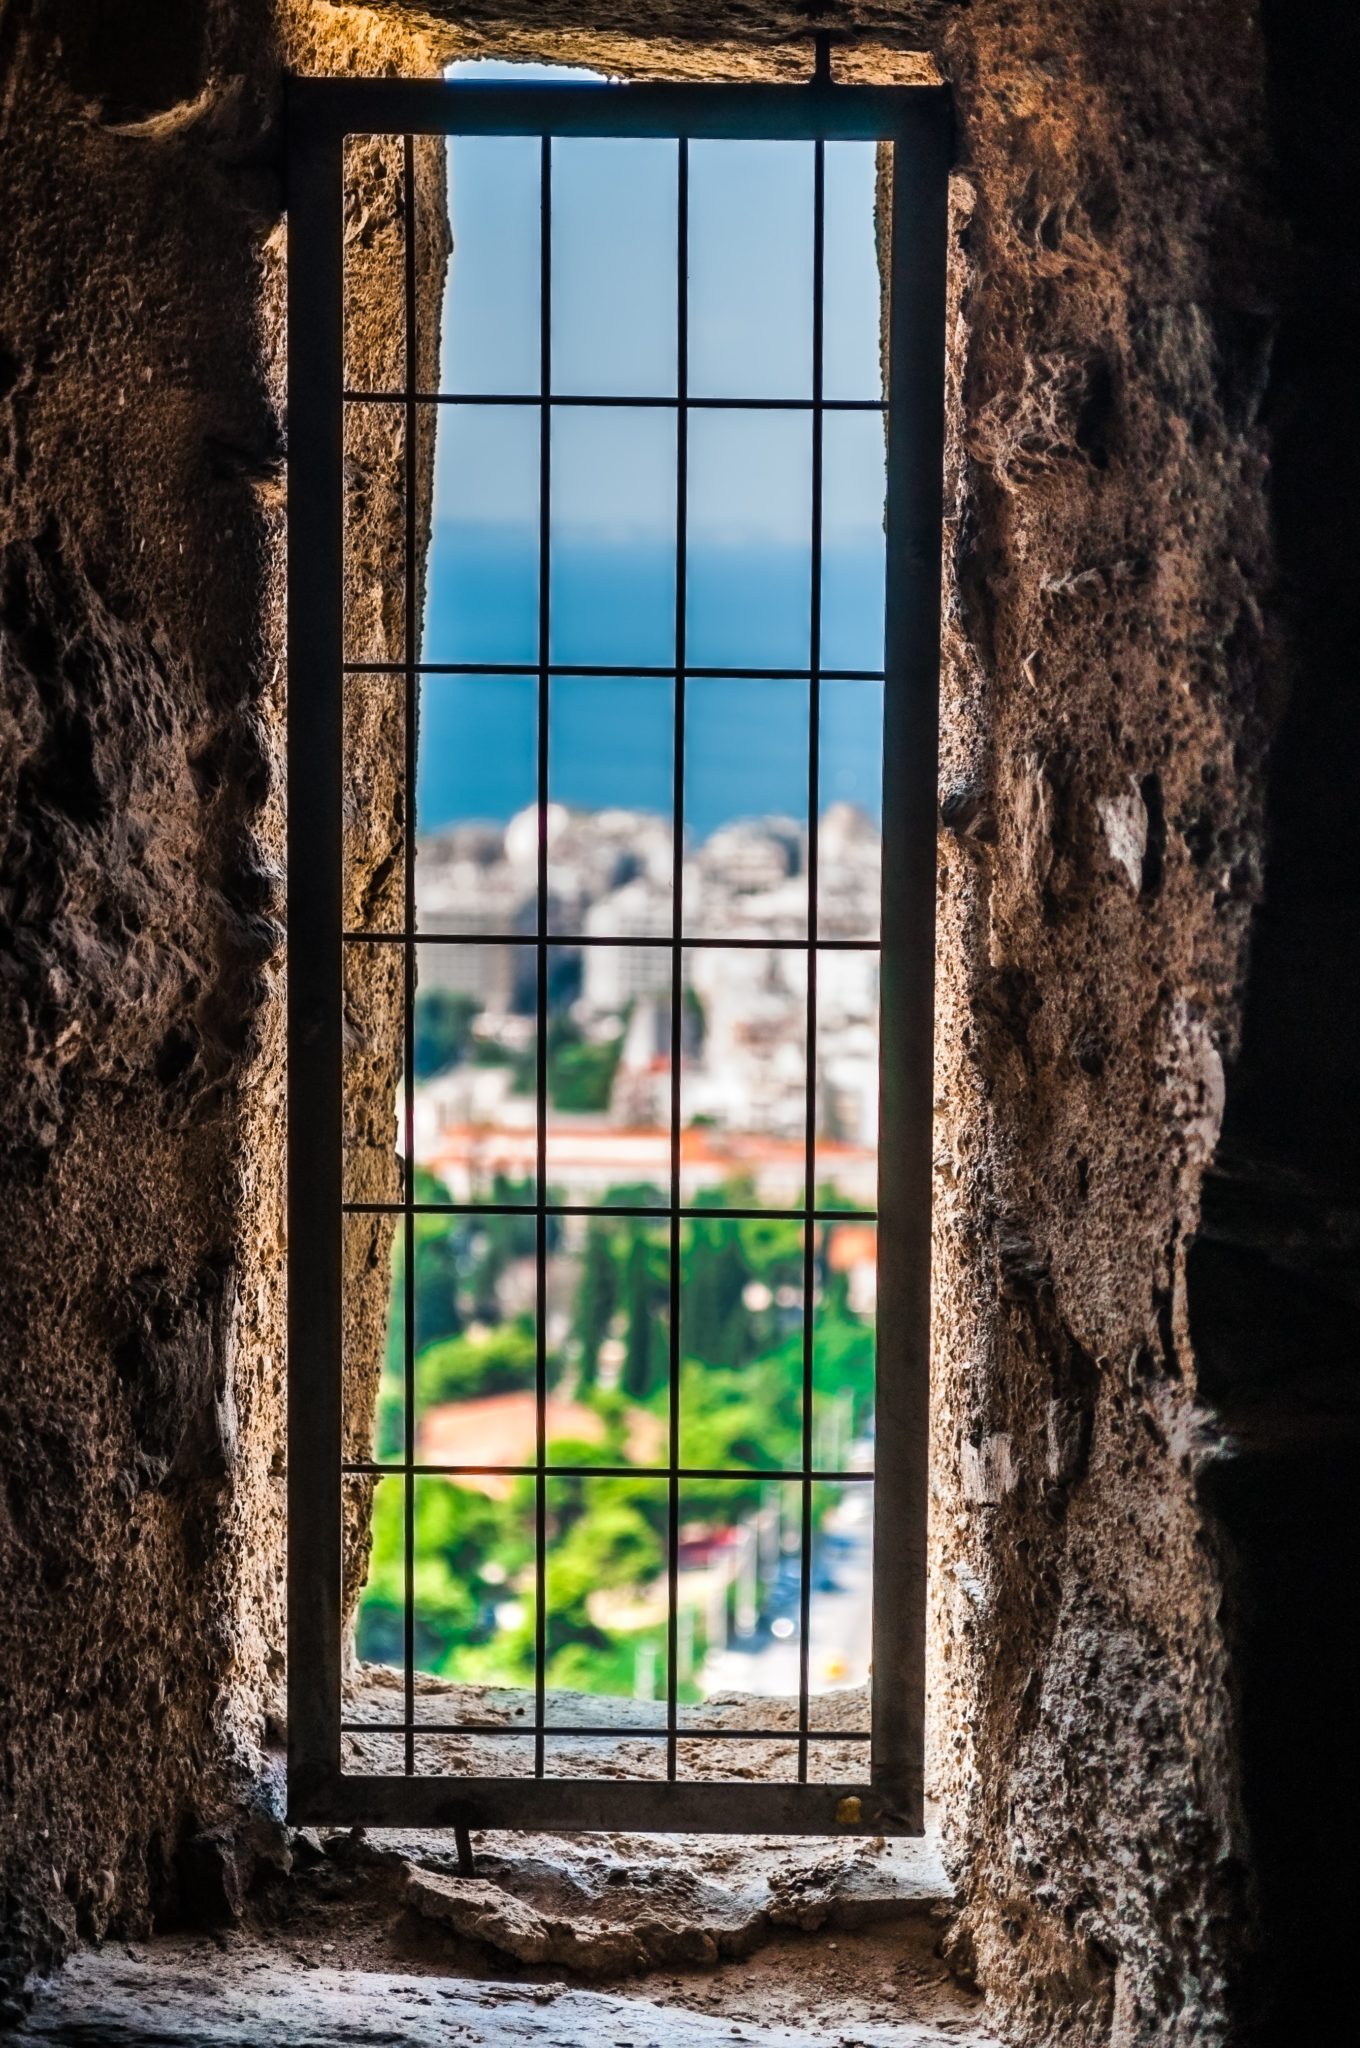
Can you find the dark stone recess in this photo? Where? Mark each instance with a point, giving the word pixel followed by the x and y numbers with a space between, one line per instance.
pixel 1274 1277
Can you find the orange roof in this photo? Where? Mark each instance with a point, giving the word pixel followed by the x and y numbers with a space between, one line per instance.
pixel 850 1245
pixel 502 1429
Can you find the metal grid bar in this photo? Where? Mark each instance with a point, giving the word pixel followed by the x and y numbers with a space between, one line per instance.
pixel 677 958
pixel 602 668
pixel 688 1213
pixel 669 404
pixel 906 1008
pixel 687 944
pixel 656 1732
pixel 541 982
pixel 810 1140
pixel 320 113
pixel 779 1474
pixel 315 1066
pixel 411 647
pixel 402 106
pixel 581 1805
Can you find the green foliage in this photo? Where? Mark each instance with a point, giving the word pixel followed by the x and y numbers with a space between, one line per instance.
pixel 597 1297
pixel 600 1538
pixel 741 1409
pixel 635 1194
pixel 458 1532
pixel 749 1420
pixel 581 1077
pixel 442 1029
pixel 845 1356
pixel 646 1293
pixel 694 1021
pixel 503 1361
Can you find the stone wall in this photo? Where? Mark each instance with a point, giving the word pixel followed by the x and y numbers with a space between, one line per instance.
pixel 141 893
pixel 1118 649
pixel 1273 1277
pixel 1111 672
pixel 1148 1181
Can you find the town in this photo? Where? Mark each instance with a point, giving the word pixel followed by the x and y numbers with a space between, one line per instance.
pixel 742 1034
pixel 607 1297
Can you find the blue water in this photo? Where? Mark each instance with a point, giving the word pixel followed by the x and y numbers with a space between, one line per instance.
pixel 611 738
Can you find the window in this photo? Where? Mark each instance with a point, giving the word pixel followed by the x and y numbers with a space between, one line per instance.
pixel 633 1116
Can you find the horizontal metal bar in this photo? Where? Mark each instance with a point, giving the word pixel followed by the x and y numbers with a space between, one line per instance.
pixel 368 1468
pixel 687 1212
pixel 683 945
pixel 689 404
pixel 402 106
pixel 585 1805
pixel 600 668
pixel 656 1733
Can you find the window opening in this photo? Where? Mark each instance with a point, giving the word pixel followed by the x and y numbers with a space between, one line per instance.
pixel 646 1166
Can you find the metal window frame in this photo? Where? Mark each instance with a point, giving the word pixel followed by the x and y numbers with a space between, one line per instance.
pixel 321 113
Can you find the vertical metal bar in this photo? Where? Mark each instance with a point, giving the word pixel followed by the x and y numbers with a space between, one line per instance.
pixel 412 654
pixel 910 746
pixel 677 951
pixel 541 1160
pixel 814 800
pixel 315 1074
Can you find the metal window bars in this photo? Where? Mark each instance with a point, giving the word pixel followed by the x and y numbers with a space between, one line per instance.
pixel 888 1796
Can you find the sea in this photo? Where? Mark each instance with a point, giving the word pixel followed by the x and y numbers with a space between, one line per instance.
pixel 611 739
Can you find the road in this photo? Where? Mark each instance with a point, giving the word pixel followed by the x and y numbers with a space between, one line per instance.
pixel 839 1621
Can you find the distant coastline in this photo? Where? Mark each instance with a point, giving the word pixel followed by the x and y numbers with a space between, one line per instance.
pixel 611 739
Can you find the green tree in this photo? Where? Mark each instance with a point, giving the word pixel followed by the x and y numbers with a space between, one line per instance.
pixel 442 1029
pixel 715 1323
pixel 646 1356
pixel 440 1269
pixel 467 1368
pixel 597 1297
pixel 581 1077
pixel 495 1242
pixel 600 1538
pixel 741 1409
pixel 458 1533
pixel 846 1349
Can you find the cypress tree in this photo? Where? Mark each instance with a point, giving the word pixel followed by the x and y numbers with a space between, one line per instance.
pixel 597 1298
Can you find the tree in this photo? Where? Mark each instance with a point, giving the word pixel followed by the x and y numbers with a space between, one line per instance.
pixel 597 1297
pixel 715 1322
pixel 645 1349
pixel 459 1532
pixel 600 1537
pixel 439 1279
pixel 468 1368
pixel 442 1029
pixel 581 1077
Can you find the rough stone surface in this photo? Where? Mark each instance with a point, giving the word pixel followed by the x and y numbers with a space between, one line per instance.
pixel 141 903
pixel 1127 1293
pixel 597 1916
pixel 779 1940
pixel 374 1701
pixel 111 2002
pixel 1111 676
